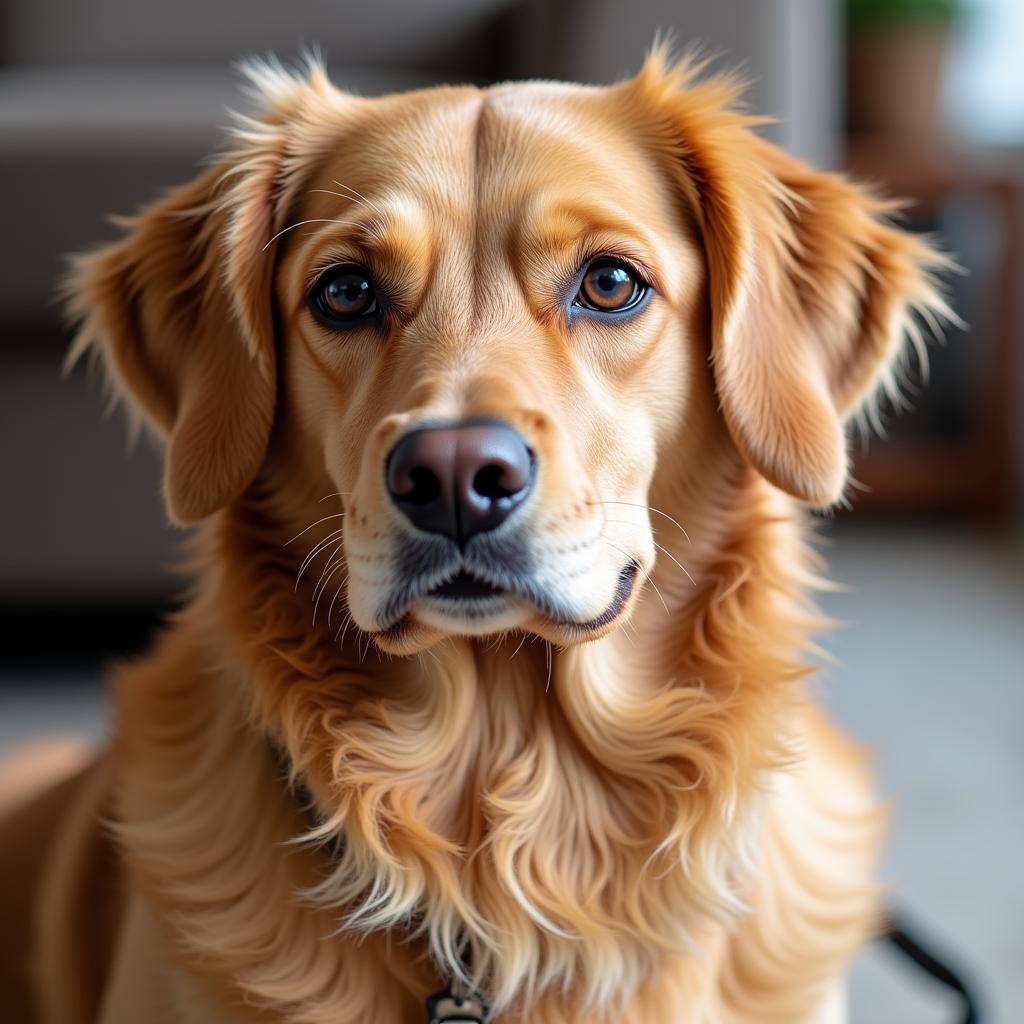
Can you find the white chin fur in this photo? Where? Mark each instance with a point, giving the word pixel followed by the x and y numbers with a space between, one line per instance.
pixel 472 617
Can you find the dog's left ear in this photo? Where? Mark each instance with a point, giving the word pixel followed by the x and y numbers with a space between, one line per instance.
pixel 811 289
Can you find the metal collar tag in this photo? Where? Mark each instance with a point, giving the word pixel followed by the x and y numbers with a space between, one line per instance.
pixel 457 1005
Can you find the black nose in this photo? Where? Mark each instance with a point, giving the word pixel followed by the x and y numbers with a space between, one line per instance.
pixel 460 479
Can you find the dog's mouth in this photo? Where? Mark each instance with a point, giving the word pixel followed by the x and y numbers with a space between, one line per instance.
pixel 466 586
pixel 481 606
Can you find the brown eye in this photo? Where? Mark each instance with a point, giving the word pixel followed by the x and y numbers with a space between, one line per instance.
pixel 343 294
pixel 609 287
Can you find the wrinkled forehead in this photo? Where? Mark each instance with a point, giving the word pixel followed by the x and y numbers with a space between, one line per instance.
pixel 510 159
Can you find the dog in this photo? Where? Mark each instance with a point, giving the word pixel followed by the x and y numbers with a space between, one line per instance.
pixel 499 412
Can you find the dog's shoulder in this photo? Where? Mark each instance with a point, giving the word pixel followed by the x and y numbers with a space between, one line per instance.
pixel 61 898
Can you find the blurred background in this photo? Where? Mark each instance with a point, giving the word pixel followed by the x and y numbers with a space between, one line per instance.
pixel 103 104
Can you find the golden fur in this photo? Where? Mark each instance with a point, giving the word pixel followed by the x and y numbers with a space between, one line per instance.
pixel 653 824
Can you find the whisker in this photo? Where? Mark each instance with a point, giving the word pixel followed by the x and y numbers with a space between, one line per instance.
pixel 334 600
pixel 337 556
pixel 647 575
pixel 661 597
pixel 676 560
pixel 336 515
pixel 551 661
pixel 629 631
pixel 323 590
pixel 299 224
pixel 330 569
pixel 360 196
pixel 327 566
pixel 660 547
pixel 331 192
pixel 309 558
pixel 343 628
pixel 616 546
pixel 351 196
pixel 519 648
pixel 649 508
pixel 335 494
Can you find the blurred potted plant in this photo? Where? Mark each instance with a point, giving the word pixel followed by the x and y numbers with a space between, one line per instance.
pixel 895 54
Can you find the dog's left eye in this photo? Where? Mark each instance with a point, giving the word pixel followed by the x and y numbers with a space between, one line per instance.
pixel 342 294
pixel 609 286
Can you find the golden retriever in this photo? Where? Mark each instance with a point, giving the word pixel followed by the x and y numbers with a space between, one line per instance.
pixel 499 409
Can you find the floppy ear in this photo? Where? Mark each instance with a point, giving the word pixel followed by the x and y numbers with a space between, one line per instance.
pixel 811 289
pixel 180 309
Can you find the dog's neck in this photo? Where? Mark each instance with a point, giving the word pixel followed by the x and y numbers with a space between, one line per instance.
pixel 549 811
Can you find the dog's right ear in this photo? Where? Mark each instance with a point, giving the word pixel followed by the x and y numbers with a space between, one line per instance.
pixel 163 308
pixel 180 309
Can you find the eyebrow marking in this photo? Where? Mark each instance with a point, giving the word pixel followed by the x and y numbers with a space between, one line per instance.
pixel 592 216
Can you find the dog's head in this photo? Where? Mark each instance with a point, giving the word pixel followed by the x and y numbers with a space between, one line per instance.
pixel 497 325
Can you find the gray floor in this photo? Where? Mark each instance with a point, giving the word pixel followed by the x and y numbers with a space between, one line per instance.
pixel 930 676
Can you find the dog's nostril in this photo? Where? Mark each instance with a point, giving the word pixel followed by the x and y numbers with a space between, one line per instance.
pixel 496 481
pixel 425 487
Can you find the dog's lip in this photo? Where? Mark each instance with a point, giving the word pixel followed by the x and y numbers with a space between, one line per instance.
pixel 623 590
pixel 628 576
pixel 466 585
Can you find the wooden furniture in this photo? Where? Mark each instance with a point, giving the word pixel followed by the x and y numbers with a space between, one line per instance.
pixel 966 467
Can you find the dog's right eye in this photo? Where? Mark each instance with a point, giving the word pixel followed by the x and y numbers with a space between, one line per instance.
pixel 343 294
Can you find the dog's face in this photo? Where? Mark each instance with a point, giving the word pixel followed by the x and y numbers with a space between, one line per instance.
pixel 485 353
pixel 484 321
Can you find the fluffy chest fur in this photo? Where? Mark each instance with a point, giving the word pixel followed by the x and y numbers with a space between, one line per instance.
pixel 594 834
